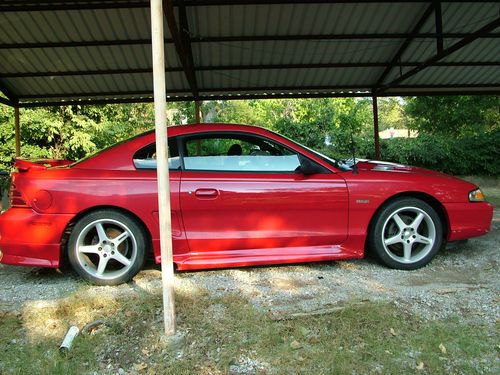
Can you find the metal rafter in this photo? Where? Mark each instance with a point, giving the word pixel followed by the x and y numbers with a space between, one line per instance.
pixel 277 2
pixel 228 39
pixel 30 6
pixel 446 52
pixel 265 91
pixel 6 102
pixel 186 38
pixel 439 26
pixel 182 47
pixel 8 93
pixel 404 46
pixel 458 91
pixel 40 6
pixel 238 67
pixel 77 44
pixel 57 73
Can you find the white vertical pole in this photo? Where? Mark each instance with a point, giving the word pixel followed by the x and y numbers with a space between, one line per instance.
pixel 160 105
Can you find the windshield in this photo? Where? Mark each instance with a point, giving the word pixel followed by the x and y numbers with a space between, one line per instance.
pixel 336 163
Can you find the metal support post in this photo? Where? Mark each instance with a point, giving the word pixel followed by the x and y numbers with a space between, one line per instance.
pixel 17 131
pixel 375 128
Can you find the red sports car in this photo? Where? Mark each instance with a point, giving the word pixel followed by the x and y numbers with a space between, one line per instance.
pixel 240 196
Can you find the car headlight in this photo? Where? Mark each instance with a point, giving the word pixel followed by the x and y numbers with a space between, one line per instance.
pixel 476 196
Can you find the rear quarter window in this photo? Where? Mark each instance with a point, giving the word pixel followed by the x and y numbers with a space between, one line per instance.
pixel 145 158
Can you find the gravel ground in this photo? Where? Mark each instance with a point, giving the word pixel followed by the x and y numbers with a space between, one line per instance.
pixel 462 281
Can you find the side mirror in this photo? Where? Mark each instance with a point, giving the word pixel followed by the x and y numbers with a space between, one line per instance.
pixel 307 167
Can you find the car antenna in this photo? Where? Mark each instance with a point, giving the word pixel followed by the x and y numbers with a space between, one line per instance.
pixel 353 150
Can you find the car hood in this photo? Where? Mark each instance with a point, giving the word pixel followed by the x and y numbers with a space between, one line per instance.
pixel 376 165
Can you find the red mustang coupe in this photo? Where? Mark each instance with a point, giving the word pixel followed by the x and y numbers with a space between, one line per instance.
pixel 240 196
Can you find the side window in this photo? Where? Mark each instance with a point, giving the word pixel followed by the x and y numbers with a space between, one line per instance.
pixel 237 153
pixel 145 158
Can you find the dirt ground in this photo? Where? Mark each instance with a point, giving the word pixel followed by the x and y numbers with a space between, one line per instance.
pixel 461 281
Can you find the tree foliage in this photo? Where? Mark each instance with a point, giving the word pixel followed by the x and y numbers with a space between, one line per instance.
pixel 449 127
pixel 454 115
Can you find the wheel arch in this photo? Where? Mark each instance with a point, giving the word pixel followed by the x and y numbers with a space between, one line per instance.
pixel 427 198
pixel 78 216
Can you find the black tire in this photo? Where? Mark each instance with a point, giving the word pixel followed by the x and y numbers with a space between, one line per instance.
pixel 110 237
pixel 406 234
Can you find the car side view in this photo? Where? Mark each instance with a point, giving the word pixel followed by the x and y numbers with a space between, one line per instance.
pixel 240 195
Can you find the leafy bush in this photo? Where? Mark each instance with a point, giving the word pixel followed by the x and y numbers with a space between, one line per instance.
pixel 465 155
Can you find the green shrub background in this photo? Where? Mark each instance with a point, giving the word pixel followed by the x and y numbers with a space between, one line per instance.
pixel 466 155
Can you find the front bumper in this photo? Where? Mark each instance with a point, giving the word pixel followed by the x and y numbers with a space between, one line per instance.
pixel 468 220
pixel 28 238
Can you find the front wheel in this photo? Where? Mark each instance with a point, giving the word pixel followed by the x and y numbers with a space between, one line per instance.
pixel 406 234
pixel 107 247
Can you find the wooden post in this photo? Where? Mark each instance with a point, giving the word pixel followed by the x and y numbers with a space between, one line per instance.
pixel 375 128
pixel 197 111
pixel 160 106
pixel 17 130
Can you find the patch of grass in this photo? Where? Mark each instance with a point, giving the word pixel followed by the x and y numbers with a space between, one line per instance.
pixel 217 333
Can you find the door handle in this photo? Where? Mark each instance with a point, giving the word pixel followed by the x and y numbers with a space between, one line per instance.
pixel 206 193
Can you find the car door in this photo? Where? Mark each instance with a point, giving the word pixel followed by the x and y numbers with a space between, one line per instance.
pixel 241 192
pixel 145 198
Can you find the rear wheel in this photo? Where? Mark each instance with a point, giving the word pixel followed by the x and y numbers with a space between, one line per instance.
pixel 407 234
pixel 107 247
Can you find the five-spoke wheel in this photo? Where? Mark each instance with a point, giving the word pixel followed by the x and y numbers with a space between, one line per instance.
pixel 407 233
pixel 107 247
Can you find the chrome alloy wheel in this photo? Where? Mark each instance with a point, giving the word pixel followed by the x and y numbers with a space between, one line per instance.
pixel 106 249
pixel 408 235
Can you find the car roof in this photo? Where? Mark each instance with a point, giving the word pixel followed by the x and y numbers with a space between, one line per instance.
pixel 119 156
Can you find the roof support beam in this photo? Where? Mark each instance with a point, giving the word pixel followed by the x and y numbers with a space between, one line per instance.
pixel 439 26
pixel 84 72
pixel 397 57
pixel 238 67
pixel 228 39
pixel 263 38
pixel 265 2
pixel 455 91
pixel 186 37
pixel 446 52
pixel 9 94
pixel 182 46
pixel 184 94
pixel 82 43
pixel 6 102
pixel 35 6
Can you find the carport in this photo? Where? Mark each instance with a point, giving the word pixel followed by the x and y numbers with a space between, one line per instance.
pixel 96 52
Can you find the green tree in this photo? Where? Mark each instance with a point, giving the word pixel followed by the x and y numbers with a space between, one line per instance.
pixel 392 113
pixel 454 115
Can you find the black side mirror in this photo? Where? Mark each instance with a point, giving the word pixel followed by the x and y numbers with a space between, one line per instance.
pixel 307 167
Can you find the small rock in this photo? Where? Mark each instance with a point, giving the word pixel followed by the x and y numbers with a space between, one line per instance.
pixel 121 371
pixel 295 345
pixel 140 366
pixel 313 339
pixel 442 348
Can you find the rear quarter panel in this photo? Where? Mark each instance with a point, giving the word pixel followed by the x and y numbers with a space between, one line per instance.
pixel 74 191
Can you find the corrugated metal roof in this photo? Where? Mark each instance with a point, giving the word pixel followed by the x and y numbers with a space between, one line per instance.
pixel 100 50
